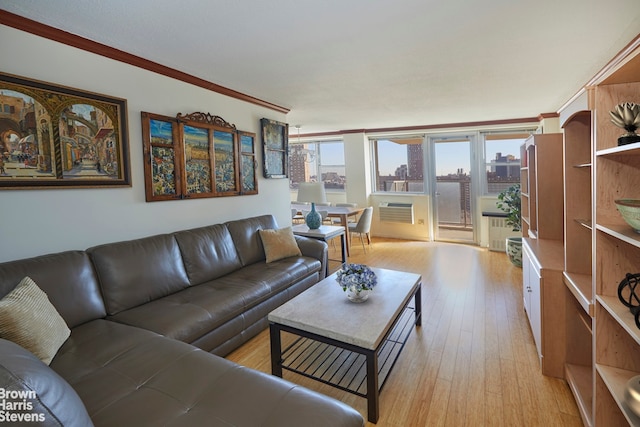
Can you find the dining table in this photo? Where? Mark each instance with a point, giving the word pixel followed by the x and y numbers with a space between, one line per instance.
pixel 341 212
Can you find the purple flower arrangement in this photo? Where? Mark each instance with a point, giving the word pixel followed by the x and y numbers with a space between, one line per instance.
pixel 357 276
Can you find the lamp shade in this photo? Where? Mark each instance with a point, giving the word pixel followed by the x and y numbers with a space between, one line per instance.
pixel 311 192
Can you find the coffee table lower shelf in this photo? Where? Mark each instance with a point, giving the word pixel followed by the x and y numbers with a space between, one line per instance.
pixel 345 366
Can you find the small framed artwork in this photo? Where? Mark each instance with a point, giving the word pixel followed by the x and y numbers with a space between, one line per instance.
pixel 248 178
pixel 198 160
pixel 54 136
pixel 275 144
pixel 162 152
pixel 226 154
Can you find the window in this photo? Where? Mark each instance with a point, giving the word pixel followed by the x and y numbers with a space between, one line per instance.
pixel 317 161
pixel 502 161
pixel 399 164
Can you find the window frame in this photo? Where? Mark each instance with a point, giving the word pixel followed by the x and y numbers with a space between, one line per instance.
pixel 485 137
pixel 316 162
pixel 373 149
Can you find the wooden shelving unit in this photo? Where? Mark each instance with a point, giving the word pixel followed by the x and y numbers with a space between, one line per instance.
pixel 541 166
pixel 543 249
pixel 578 260
pixel 525 210
pixel 602 348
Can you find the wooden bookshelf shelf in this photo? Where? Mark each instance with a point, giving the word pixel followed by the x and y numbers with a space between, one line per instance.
pixel 580 286
pixel 616 341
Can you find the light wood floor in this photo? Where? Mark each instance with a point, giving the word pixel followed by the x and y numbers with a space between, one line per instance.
pixel 473 361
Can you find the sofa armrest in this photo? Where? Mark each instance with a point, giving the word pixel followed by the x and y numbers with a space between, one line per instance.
pixel 49 400
pixel 316 249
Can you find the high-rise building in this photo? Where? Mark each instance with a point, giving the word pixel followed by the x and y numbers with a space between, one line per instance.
pixel 298 167
pixel 415 162
pixel 505 171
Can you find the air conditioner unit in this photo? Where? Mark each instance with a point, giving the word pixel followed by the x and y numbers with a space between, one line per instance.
pixel 396 212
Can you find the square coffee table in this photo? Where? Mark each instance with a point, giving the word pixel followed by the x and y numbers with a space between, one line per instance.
pixel 351 346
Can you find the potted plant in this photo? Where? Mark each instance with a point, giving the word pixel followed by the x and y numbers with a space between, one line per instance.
pixel 357 280
pixel 509 202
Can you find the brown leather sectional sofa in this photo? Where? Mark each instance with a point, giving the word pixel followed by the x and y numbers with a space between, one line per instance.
pixel 145 317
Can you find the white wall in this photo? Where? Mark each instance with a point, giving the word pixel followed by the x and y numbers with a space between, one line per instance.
pixel 34 222
pixel 357 162
pixel 421 213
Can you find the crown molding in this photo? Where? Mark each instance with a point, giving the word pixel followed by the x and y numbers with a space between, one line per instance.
pixel 33 27
pixel 420 128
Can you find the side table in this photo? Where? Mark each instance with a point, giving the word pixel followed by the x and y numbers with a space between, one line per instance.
pixel 324 233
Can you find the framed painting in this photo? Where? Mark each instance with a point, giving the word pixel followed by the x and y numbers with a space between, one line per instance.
pixel 198 161
pixel 248 177
pixel 162 152
pixel 226 156
pixel 275 145
pixel 53 136
pixel 193 156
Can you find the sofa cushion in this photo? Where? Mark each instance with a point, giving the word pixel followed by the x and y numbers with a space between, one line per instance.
pixel 246 238
pixel 118 369
pixel 279 243
pixel 28 318
pixel 78 301
pixel 207 252
pixel 194 312
pixel 135 272
pixel 52 401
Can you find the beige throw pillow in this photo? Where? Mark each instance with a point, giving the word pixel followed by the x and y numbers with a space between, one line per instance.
pixel 28 318
pixel 279 244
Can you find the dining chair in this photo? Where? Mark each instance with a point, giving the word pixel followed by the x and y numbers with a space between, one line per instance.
pixel 363 226
pixel 324 215
pixel 295 217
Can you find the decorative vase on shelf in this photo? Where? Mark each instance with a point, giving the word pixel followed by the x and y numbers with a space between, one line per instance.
pixel 632 394
pixel 356 295
pixel 313 218
pixel 627 117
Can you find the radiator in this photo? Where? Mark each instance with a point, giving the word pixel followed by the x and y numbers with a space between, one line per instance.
pixel 396 212
pixel 498 233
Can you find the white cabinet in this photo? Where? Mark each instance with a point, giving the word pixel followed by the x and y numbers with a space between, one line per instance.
pixel 544 301
pixel 531 286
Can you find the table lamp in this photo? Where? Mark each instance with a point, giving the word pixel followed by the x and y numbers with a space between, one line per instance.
pixel 311 192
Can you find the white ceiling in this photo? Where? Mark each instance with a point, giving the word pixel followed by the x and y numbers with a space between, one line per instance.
pixel 363 64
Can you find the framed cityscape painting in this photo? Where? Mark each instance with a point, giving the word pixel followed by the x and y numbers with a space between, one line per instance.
pixel 161 156
pixel 53 136
pixel 226 161
pixel 248 163
pixel 194 156
pixel 198 161
pixel 275 144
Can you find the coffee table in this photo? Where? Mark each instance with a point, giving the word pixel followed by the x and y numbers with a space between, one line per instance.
pixel 351 346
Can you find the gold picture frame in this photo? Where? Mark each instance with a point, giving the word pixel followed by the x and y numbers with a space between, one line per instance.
pixel 53 136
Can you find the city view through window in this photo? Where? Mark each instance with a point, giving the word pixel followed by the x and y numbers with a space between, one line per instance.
pixel 317 162
pixel 400 165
